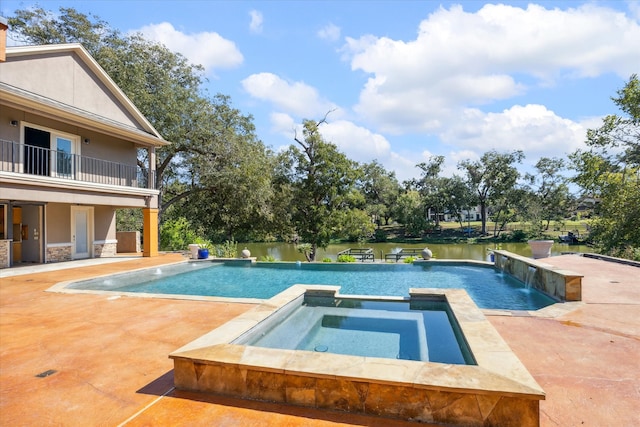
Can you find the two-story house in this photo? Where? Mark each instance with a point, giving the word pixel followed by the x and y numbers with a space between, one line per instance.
pixel 69 142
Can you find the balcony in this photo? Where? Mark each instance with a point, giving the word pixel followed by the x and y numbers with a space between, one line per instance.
pixel 32 160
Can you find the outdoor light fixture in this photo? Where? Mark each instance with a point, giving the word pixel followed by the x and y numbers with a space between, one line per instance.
pixel 13 123
pixel 87 140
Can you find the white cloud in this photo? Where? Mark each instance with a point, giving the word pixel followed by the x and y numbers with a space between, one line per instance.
pixel 531 128
pixel 329 32
pixel 255 26
pixel 462 59
pixel 358 143
pixel 282 123
pixel 295 98
pixel 208 49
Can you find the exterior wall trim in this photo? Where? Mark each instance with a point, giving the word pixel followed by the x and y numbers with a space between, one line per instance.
pixel 43 181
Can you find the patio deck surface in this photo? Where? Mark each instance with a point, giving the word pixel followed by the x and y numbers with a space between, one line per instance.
pixel 111 367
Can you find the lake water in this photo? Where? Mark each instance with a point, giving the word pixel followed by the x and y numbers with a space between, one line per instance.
pixel 480 252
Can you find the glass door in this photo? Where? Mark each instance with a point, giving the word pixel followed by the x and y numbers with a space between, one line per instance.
pixel 81 229
pixel 62 157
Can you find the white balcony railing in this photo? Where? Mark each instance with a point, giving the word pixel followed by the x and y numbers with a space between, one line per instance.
pixel 31 160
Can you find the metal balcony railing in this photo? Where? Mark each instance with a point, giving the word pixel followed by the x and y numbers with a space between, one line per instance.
pixel 32 160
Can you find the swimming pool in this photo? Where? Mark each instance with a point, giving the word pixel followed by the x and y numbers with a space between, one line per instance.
pixel 488 287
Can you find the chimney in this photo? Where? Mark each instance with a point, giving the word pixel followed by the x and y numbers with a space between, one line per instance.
pixel 3 38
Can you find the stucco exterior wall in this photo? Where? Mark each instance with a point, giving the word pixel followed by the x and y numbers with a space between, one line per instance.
pixel 66 79
pixel 105 223
pixel 8 132
pixel 58 223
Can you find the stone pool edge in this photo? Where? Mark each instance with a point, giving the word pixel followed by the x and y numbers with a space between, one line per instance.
pixel 497 389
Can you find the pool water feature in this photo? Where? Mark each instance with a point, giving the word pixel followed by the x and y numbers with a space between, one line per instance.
pixel 422 330
pixel 488 287
pixel 496 390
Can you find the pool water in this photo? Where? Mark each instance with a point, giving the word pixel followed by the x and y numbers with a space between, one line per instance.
pixel 421 330
pixel 488 287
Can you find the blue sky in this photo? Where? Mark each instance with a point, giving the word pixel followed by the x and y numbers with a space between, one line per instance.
pixel 405 79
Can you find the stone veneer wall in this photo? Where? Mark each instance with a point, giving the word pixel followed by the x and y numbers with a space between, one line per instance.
pixel 422 404
pixel 564 285
pixel 59 253
pixel 105 249
pixel 5 246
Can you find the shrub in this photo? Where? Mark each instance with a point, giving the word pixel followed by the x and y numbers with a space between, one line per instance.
pixel 267 258
pixel 346 258
pixel 380 235
pixel 228 249
pixel 327 259
pixel 176 235
pixel 518 235
pixel 409 260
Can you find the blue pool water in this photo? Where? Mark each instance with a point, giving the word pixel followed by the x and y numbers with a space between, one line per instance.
pixel 486 286
pixel 420 330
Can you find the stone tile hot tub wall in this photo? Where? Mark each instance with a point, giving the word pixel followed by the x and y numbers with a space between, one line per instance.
pixel 496 391
pixel 564 285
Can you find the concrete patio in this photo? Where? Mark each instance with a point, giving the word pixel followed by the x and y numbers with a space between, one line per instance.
pixel 103 358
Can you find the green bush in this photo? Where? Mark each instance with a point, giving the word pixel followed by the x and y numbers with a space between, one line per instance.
pixel 346 258
pixel 519 236
pixel 228 249
pixel 380 236
pixel 267 258
pixel 177 234
pixel 327 259
pixel 409 260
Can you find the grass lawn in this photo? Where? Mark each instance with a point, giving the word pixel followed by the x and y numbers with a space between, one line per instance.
pixel 452 230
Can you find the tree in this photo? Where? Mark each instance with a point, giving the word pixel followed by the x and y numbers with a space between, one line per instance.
pixel 432 187
pixel 230 177
pixel 610 171
pixel 508 207
pixel 410 212
pixel 458 198
pixel 380 189
pixel 321 180
pixel 491 177
pixel 550 196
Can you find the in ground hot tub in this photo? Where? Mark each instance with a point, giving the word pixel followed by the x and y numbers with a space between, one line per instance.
pixel 489 386
pixel 392 329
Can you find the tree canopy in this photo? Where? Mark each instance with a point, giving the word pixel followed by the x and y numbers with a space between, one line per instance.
pixel 490 177
pixel 322 180
pixel 609 171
